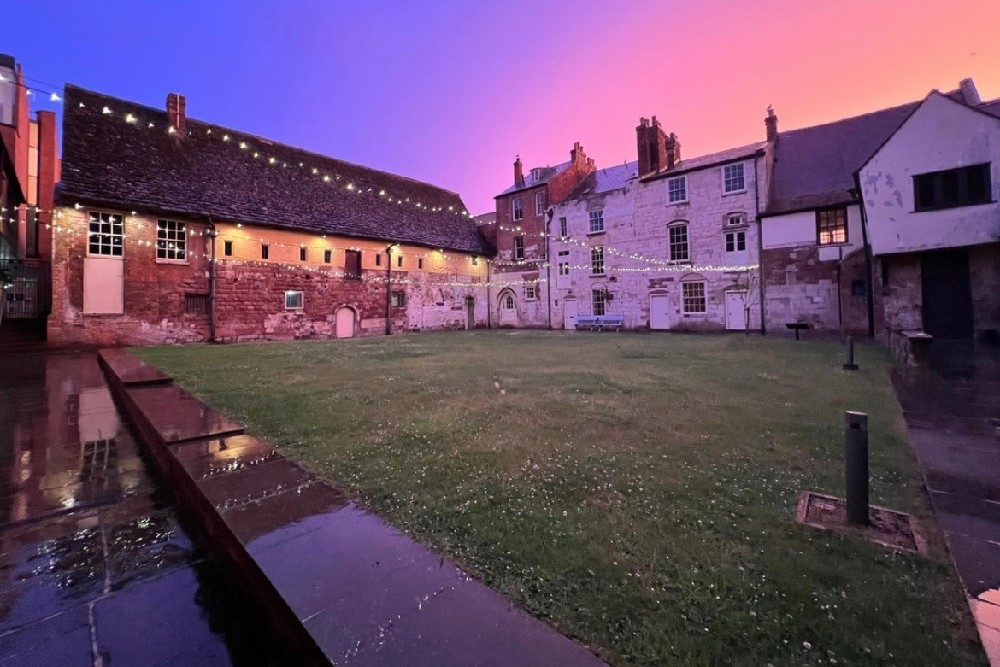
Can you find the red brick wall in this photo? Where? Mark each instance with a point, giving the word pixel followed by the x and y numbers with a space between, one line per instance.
pixel 250 296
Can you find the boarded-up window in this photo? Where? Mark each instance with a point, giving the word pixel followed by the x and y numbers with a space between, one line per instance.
pixel 352 264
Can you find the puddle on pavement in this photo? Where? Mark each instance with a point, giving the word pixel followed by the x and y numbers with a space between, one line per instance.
pixel 92 554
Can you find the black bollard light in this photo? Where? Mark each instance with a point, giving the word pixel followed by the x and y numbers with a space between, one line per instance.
pixel 856 460
pixel 850 365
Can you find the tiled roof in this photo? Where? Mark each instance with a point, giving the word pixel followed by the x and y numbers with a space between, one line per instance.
pixel 606 180
pixel 107 161
pixel 545 174
pixel 709 160
pixel 814 166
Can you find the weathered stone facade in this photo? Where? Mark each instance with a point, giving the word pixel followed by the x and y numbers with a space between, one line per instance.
pixel 637 254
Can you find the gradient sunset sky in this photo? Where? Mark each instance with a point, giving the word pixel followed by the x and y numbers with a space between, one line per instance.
pixel 448 92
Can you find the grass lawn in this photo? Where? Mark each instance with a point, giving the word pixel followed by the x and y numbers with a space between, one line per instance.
pixel 638 492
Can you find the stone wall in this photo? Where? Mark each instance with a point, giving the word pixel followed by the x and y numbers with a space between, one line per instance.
pixel 984 274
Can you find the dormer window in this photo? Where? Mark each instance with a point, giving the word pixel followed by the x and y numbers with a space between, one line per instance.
pixel 536 175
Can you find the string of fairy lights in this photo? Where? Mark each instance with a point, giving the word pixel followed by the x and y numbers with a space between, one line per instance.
pixel 258 150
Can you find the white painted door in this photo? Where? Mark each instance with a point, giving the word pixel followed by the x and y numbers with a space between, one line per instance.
pixel 345 323
pixel 735 313
pixel 569 314
pixel 508 310
pixel 659 311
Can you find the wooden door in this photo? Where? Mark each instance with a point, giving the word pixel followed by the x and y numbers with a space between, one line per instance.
pixel 736 319
pixel 345 323
pixel 569 314
pixel 946 294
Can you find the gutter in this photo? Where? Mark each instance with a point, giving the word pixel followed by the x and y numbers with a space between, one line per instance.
pixel 211 283
pixel 760 247
pixel 870 289
pixel 548 263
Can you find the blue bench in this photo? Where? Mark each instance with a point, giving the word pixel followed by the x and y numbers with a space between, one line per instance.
pixel 600 322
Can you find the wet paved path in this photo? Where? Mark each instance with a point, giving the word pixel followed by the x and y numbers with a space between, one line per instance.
pixel 95 568
pixel 952 413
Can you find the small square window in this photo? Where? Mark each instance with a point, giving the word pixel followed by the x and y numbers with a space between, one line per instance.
pixel 303 254
pixel 529 292
pixel 196 304
pixel 733 179
pixel 735 219
pixel 398 299
pixel 227 248
pixel 327 256
pixel 264 251
pixel 293 300
pixel 831 226
pixel 677 189
pixel 171 241
pixel 736 241
pixel 596 221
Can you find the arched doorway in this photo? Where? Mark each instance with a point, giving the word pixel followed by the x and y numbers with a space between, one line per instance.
pixel 346 322
pixel 508 309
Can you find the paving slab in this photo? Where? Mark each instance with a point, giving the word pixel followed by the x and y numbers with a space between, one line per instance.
pixel 950 408
pixel 130 369
pixel 82 522
pixel 178 416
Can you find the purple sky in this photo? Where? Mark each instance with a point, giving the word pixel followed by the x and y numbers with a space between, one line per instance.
pixel 449 92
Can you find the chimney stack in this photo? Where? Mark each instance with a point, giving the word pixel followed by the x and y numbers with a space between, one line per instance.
pixel 652 146
pixel 771 123
pixel 518 172
pixel 176 114
pixel 673 150
pixel 969 93
pixel 577 156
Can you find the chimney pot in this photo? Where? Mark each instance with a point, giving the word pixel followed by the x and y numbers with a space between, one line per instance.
pixel 176 112
pixel 969 93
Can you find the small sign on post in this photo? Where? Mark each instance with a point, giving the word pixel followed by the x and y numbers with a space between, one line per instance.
pixel 856 464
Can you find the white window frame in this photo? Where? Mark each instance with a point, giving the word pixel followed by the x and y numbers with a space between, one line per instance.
pixel 517 209
pixel 685 298
pixel 103 236
pixel 301 299
pixel 736 235
pixel 598 218
pixel 540 202
pixel 670 242
pixel 518 247
pixel 530 293
pixel 677 195
pixel 398 298
pixel 563 227
pixel 726 178
pixel 736 219
pixel 171 232
pixel 597 260
pixel 595 301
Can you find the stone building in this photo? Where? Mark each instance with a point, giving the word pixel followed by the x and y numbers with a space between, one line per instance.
pixel 518 273
pixel 170 229
pixel 930 197
pixel 663 242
